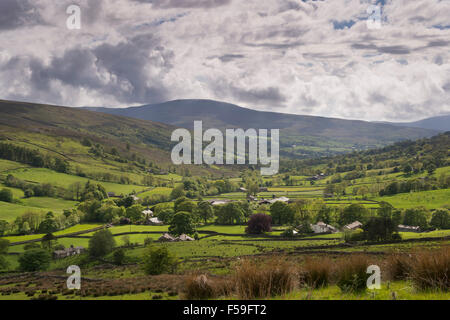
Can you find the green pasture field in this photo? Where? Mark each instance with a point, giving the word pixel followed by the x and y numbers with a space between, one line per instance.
pixel 42 175
pixel 45 202
pixel 17 193
pixel 158 190
pixel 76 228
pixel 404 291
pixel 10 211
pixel 429 199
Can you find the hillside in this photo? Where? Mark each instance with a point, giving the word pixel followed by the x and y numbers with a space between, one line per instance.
pixel 441 123
pixel 117 145
pixel 304 136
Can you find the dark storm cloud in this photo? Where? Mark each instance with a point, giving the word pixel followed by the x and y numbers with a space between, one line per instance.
pixel 164 4
pixel 399 49
pixel 267 96
pixel 120 70
pixel 17 13
pixel 230 57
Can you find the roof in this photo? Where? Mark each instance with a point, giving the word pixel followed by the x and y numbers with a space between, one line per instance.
pixel 401 226
pixel 353 225
pixel 148 212
pixel 184 237
pixel 166 237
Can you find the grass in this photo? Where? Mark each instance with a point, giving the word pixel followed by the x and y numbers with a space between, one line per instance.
pixel 429 199
pixel 45 202
pixel 10 211
pixel 42 175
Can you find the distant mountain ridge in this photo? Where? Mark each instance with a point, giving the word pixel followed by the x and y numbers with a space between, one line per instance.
pixel 441 123
pixel 300 135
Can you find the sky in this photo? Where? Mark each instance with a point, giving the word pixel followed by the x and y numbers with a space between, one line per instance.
pixel 318 57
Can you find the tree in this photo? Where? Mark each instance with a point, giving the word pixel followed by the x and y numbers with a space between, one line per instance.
pixel 48 241
pixel 134 213
pixel 440 219
pixel 4 245
pixel 407 168
pixel 4 226
pixel 182 223
pixel 49 224
pixel 379 229
pixel 259 223
pixel 205 211
pixel 352 213
pixel 158 261
pixel 166 215
pixel 416 217
pixel 101 243
pixel 177 192
pixel 34 260
pixel 6 195
pixel 281 213
pixel 230 213
pixel 119 256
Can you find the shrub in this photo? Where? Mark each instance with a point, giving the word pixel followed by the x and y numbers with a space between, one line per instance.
pixel 119 256
pixel 199 287
pixel 379 229
pixel 431 270
pixel 352 274
pixel 354 236
pixel 158 261
pixel 101 243
pixel 399 266
pixel 34 260
pixel 316 273
pixel 253 280
pixel 6 195
pixel 259 223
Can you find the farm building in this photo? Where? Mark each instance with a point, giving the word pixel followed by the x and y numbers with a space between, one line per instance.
pixel 184 237
pixel 155 222
pixel 353 226
pixel 60 254
pixel 242 190
pixel 403 228
pixel 148 213
pixel 218 202
pixel 271 201
pixel 322 227
pixel 166 238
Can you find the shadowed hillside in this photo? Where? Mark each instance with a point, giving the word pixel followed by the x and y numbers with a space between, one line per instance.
pixel 300 135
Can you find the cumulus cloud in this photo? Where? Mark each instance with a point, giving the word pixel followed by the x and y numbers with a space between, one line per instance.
pixel 305 57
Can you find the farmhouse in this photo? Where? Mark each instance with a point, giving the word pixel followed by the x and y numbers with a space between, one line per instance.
pixel 353 226
pixel 272 201
pixel 147 213
pixel 322 227
pixel 403 228
pixel 218 202
pixel 60 254
pixel 166 238
pixel 184 237
pixel 155 222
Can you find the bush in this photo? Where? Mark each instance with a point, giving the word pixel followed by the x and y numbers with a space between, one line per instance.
pixel 158 261
pixel 379 229
pixel 431 270
pixel 6 195
pixel 101 243
pixel 119 256
pixel 354 236
pixel 352 274
pixel 399 266
pixel 256 281
pixel 199 287
pixel 259 223
pixel 316 273
pixel 34 260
